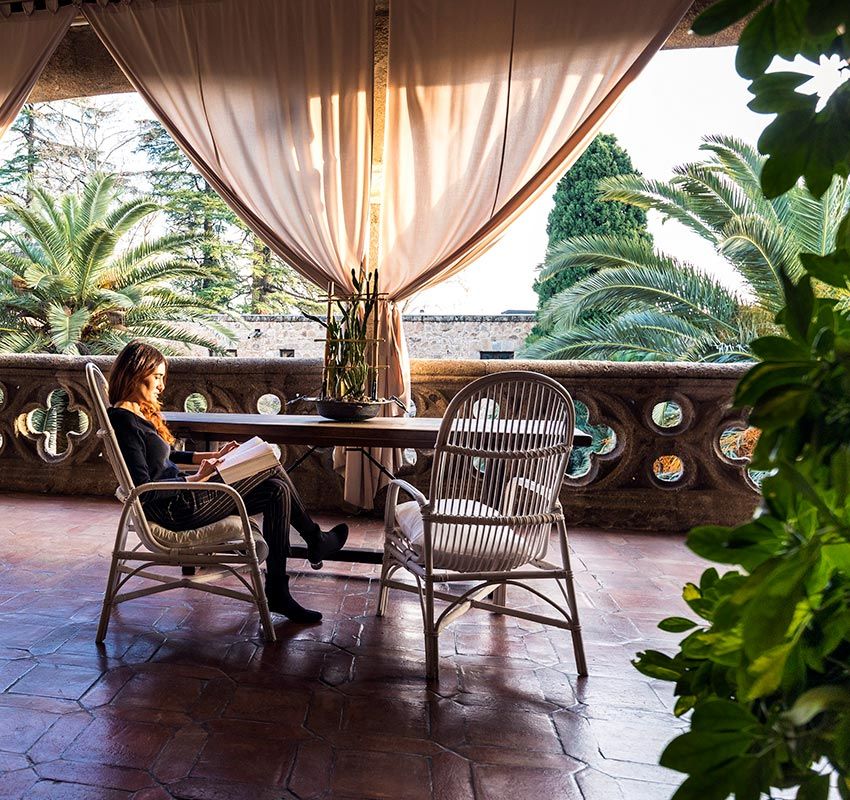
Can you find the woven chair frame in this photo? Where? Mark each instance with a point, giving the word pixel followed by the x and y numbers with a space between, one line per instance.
pixel 499 463
pixel 149 553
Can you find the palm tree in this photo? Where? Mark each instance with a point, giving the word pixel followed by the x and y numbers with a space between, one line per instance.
pixel 659 308
pixel 75 279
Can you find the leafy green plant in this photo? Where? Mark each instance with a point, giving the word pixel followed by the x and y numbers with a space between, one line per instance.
pixel 350 341
pixel 72 281
pixel 766 670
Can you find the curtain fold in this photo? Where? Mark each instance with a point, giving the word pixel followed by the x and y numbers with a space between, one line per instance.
pixel 488 103
pixel 272 102
pixel 27 42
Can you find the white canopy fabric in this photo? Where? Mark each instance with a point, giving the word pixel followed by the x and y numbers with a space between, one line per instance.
pixel 26 44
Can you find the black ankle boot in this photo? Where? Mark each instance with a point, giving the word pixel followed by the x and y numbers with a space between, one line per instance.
pixel 324 544
pixel 282 602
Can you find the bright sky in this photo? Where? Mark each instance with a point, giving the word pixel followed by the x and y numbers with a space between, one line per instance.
pixel 680 97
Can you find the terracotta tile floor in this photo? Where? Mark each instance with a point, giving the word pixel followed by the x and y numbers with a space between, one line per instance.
pixel 185 700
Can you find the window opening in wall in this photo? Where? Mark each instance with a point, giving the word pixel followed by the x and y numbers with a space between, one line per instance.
pixel 285 352
pixel 493 355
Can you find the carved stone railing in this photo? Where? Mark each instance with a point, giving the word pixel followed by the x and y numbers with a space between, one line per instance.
pixel 659 430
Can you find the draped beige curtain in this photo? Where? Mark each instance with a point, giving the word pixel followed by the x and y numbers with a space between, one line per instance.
pixel 488 103
pixel 26 44
pixel 272 102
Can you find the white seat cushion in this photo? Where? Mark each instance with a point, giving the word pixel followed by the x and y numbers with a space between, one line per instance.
pixel 227 531
pixel 475 553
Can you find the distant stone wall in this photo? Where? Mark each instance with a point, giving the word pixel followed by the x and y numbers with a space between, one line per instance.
pixel 428 336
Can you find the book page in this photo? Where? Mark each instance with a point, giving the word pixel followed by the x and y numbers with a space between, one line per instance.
pixel 248 459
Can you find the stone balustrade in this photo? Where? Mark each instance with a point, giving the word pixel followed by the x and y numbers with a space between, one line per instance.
pixel 667 451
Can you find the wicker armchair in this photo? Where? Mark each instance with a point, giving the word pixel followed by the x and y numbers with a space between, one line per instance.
pixel 234 545
pixel 499 462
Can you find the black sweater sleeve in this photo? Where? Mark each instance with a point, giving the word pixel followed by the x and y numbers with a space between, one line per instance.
pixel 182 456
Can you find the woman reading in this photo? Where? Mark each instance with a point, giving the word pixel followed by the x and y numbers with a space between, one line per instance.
pixel 136 383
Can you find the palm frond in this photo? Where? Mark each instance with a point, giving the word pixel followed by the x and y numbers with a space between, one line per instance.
pixel 65 328
pixel 54 214
pixel 165 332
pixel 742 164
pixel 13 264
pixel 712 195
pixel 611 340
pixel 124 218
pixel 30 249
pixel 760 252
pixel 667 288
pixel 50 239
pixel 91 252
pixel 662 196
pixel 24 340
pixel 141 254
pixel 156 272
pixel 98 194
pixel 813 222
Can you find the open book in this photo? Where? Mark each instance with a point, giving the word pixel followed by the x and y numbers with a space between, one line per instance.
pixel 248 459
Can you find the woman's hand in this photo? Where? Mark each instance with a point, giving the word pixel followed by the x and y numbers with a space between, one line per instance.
pixel 226 449
pixel 207 468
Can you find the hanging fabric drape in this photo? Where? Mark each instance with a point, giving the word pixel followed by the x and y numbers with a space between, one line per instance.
pixel 488 102
pixel 26 44
pixel 272 102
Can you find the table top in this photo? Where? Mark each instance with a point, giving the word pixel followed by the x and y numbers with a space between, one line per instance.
pixel 308 429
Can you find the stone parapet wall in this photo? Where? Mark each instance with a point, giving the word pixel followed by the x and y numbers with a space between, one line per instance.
pixel 617 489
pixel 428 336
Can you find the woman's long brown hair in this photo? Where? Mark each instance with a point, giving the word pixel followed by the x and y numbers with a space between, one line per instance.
pixel 132 365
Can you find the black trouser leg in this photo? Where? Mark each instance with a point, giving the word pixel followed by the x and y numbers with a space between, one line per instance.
pixel 271 498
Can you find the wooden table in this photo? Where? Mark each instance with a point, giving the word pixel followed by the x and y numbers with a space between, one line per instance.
pixel 419 433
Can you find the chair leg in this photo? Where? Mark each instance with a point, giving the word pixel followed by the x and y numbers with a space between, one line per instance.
pixel 384 593
pixel 500 595
pixel 575 630
pixel 108 595
pixel 262 603
pixel 432 646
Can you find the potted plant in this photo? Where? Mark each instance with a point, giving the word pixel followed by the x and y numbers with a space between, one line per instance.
pixel 350 370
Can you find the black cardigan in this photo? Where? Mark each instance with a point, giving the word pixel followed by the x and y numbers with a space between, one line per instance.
pixel 147 455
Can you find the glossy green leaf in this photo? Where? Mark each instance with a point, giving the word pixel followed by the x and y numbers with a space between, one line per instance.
pixel 799 307
pixel 721 15
pixel 781 406
pixel 779 348
pixel 767 376
pixel 833 268
pixel 655 664
pixel 815 701
pixel 676 624
pixel 816 788
pixel 767 669
pixel 776 91
pixel 699 752
pixel 824 16
pixel 757 44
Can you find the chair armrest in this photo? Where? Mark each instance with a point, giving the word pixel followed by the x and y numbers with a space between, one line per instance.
pixel 392 500
pixel 169 486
